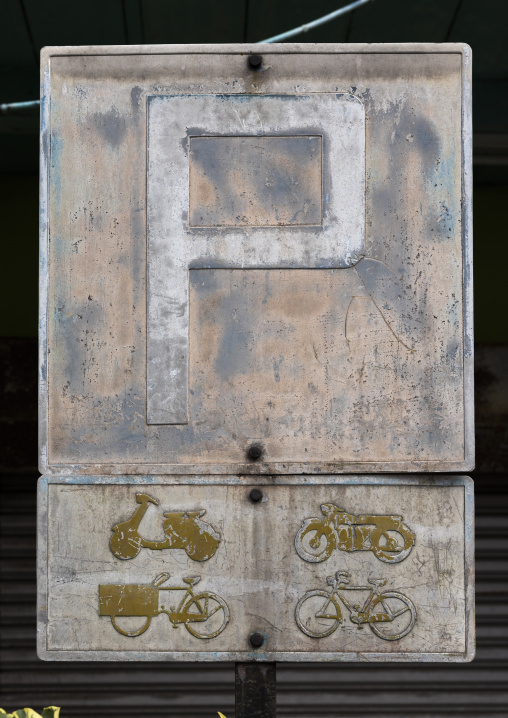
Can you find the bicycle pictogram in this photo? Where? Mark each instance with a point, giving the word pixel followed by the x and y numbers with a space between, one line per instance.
pixel 389 614
pixel 386 536
pixel 204 615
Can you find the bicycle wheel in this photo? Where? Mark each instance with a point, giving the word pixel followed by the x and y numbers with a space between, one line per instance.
pixel 207 611
pixel 398 616
pixel 315 541
pixel 318 614
pixel 394 545
pixel 130 633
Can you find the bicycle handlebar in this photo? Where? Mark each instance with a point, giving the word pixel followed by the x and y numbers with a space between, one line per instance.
pixel 342 574
pixel 159 580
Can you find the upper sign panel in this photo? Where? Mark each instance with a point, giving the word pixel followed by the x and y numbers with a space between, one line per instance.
pixel 274 259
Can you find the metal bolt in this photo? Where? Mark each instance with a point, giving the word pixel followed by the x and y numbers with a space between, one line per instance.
pixel 256 495
pixel 254 452
pixel 256 639
pixel 254 61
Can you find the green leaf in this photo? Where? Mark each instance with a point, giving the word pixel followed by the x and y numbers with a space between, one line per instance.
pixel 50 712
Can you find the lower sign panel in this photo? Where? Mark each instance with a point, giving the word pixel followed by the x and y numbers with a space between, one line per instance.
pixel 356 568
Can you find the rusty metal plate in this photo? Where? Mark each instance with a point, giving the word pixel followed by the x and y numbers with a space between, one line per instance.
pixel 171 343
pixel 362 568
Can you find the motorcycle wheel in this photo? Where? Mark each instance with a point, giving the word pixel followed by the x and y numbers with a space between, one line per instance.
pixel 315 541
pixel 403 537
pixel 202 551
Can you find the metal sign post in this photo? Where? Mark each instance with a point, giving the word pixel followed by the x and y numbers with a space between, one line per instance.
pixel 255 690
pixel 256 356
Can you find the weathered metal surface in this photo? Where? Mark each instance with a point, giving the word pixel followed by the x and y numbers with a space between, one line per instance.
pixel 255 181
pixel 360 568
pixel 329 369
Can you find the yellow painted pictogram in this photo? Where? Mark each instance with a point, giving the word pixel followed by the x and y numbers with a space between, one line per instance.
pixel 204 615
pixel 387 537
pixel 389 614
pixel 183 529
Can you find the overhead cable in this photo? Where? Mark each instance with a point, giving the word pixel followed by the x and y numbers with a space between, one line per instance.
pixel 20 106
pixel 316 23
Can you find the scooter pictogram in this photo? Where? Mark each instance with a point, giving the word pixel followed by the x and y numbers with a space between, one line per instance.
pixel 183 529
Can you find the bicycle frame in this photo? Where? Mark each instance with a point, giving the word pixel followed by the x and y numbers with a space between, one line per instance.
pixel 362 615
pixel 178 615
pixel 380 606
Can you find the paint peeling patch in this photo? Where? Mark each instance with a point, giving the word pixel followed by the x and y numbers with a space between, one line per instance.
pixel 136 94
pixel 445 223
pixel 276 365
pixel 111 126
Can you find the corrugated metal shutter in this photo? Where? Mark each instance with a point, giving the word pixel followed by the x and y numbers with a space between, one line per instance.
pixel 305 691
pixel 310 691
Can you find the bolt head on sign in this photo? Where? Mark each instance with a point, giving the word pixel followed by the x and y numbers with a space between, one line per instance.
pixel 256 302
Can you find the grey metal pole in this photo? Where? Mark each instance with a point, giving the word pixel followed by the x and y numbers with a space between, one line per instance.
pixel 255 690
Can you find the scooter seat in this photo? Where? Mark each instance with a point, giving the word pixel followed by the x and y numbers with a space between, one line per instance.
pixel 196 514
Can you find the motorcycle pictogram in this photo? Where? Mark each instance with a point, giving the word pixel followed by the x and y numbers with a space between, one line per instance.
pixel 183 529
pixel 386 536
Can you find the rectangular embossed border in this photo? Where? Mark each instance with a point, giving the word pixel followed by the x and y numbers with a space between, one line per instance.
pixel 265 143
pixel 395 481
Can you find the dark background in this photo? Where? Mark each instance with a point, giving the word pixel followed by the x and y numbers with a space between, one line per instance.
pixel 307 691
